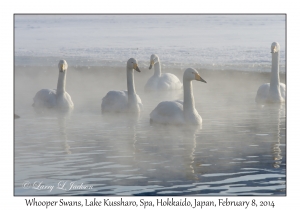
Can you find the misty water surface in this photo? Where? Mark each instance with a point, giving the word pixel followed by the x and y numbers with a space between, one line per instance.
pixel 239 150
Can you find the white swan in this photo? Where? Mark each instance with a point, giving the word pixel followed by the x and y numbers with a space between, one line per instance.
pixel 55 98
pixel 161 81
pixel 273 92
pixel 124 101
pixel 179 112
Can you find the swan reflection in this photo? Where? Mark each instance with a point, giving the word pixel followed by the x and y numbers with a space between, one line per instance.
pixel 273 123
pixel 63 133
pixel 168 150
pixel 279 113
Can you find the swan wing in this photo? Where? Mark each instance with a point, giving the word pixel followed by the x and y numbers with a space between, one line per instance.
pixel 45 98
pixel 262 93
pixel 168 112
pixel 69 99
pixel 64 102
pixel 282 90
pixel 114 101
pixel 151 84
pixel 139 101
pixel 169 81
pixel 137 98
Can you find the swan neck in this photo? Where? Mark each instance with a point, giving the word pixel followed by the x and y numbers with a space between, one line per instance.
pixel 188 97
pixel 157 69
pixel 61 84
pixel 130 82
pixel 275 70
pixel 132 98
pixel 274 91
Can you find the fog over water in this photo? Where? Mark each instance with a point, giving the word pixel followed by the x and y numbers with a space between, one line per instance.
pixel 240 149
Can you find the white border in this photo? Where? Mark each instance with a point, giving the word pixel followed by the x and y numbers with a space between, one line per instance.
pixel 153 6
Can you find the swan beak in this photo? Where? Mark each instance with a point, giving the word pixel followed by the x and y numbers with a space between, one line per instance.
pixel 62 68
pixel 151 64
pixel 198 78
pixel 274 50
pixel 135 67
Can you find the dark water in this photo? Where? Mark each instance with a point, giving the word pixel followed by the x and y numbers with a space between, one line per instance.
pixel 239 150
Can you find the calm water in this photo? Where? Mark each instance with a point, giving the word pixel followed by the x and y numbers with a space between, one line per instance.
pixel 239 150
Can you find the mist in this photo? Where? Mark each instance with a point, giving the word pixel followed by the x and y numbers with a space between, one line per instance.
pixel 238 144
pixel 225 103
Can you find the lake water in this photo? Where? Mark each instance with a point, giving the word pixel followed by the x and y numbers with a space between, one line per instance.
pixel 240 149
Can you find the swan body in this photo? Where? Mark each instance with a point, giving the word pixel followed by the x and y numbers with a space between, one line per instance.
pixel 179 112
pixel 273 92
pixel 161 81
pixel 55 98
pixel 124 101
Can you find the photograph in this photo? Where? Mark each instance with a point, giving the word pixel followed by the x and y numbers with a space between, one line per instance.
pixel 149 105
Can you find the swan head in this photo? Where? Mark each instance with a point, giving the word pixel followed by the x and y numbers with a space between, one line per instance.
pixel 62 65
pixel 153 60
pixel 133 64
pixel 275 47
pixel 192 74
